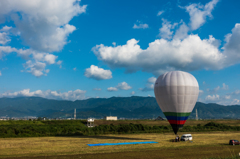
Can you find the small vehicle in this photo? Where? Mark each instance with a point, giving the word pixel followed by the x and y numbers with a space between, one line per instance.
pixel 186 137
pixel 234 142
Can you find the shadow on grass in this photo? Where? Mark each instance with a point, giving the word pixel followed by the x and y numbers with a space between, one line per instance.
pixel 104 137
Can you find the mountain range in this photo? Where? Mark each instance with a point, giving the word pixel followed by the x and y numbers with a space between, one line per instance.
pixel 123 107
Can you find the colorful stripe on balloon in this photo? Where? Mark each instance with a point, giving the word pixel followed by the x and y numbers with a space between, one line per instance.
pixel 177 120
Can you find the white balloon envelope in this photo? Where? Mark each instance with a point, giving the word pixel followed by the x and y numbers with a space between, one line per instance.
pixel 176 93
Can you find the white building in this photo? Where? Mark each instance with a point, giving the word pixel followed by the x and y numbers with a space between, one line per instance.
pixel 90 122
pixel 111 117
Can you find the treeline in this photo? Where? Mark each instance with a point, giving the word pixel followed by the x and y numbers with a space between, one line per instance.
pixel 139 128
pixel 40 128
pixel 73 128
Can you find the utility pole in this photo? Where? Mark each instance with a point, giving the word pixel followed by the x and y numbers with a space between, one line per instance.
pixel 75 114
pixel 196 115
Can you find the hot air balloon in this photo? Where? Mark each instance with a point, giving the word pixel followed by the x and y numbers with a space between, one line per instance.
pixel 176 93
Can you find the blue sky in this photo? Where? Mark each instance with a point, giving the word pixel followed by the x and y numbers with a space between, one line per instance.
pixel 88 49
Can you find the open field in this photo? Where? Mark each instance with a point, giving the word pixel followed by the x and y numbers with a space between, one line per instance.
pixel 166 123
pixel 212 144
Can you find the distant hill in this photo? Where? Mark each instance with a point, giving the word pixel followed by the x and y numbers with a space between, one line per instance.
pixel 125 107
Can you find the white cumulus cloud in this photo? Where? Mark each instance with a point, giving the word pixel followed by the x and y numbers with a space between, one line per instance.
pixel 232 45
pixel 201 92
pixel 49 94
pixel 36 61
pixel 5 28
pixel 97 73
pixel 59 62
pixel 236 92
pixel 235 102
pixel 225 87
pixel 152 79
pixel 43 25
pixel 160 13
pixel 140 25
pixel 223 99
pixel 111 89
pixel 4 35
pixel 227 97
pixel 218 88
pixel 165 31
pixel 198 13
pixel 212 98
pixel 182 32
pixel 187 54
pixel 148 87
pixel 123 86
pixel 4 38
pixel 150 84
pixel 35 69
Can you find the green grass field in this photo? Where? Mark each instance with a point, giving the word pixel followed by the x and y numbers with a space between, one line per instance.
pixel 204 145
